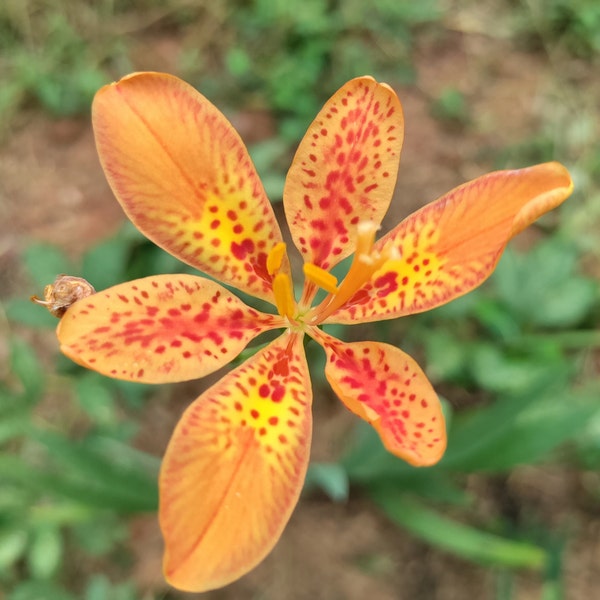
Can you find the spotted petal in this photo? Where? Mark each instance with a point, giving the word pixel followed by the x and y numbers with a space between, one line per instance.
pixel 234 468
pixel 344 170
pixel 160 329
pixel 185 179
pixel 385 387
pixel 452 245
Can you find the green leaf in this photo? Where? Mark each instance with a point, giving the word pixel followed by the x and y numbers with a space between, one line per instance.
pixel 95 399
pixel 45 552
pixel 549 422
pixel 518 430
pixel 329 477
pixel 26 312
pixel 101 535
pixel 12 546
pixel 44 262
pixel 27 368
pixel 100 588
pixel 543 287
pixel 39 590
pixel 493 369
pixel 90 480
pixel 13 426
pixel 462 540
pixel 105 264
pixel 124 481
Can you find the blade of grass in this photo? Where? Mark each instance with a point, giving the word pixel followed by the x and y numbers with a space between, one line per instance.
pixel 463 540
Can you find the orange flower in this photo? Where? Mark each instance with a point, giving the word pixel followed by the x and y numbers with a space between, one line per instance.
pixel 236 463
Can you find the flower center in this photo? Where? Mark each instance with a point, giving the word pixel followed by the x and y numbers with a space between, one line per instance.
pixel 365 263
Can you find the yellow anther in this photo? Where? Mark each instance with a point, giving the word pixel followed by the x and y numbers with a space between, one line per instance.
pixel 284 297
pixel 275 258
pixel 365 237
pixel 321 277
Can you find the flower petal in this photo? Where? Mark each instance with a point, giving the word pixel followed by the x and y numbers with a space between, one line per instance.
pixel 344 170
pixel 160 329
pixel 452 245
pixel 386 387
pixel 185 179
pixel 234 468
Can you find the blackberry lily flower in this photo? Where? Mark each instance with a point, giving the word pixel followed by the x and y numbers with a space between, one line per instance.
pixel 236 462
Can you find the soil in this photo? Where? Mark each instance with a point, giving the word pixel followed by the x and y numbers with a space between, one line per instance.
pixel 52 189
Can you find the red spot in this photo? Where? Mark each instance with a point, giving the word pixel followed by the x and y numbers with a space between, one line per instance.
pixel 175 344
pixel 123 298
pixel 232 215
pixel 273 420
pixel 424 403
pixel 144 294
pixel 263 390
pixel 405 414
pixel 240 251
pixel 238 228
pixel 254 413
pixel 173 312
pixel 159 349
pixel 386 284
pixel 140 372
pixel 282 438
pixel 278 393
pixel 237 406
pixel 201 317
pixel 186 354
pixel 281 367
pixel 101 329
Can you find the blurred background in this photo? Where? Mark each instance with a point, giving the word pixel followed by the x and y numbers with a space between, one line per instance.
pixel 512 511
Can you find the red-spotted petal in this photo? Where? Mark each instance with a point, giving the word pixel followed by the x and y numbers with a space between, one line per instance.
pixel 160 329
pixel 386 387
pixel 450 246
pixel 185 179
pixel 234 468
pixel 344 170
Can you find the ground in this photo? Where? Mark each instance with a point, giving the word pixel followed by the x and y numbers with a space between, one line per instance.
pixel 52 189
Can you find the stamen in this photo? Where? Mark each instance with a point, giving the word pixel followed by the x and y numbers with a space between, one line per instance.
pixel 275 258
pixel 366 262
pixel 284 296
pixel 321 277
pixel 366 231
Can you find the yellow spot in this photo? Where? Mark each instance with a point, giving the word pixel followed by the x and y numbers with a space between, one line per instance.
pixel 284 297
pixel 321 277
pixel 275 258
